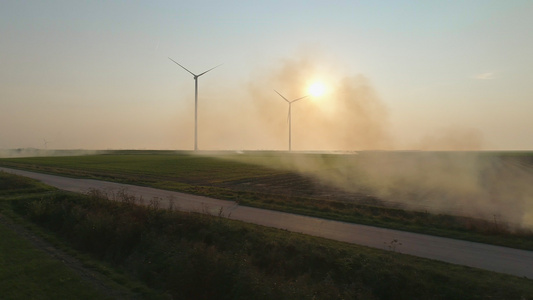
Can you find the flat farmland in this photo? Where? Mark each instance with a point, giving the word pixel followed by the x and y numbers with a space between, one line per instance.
pixel 257 173
pixel 331 186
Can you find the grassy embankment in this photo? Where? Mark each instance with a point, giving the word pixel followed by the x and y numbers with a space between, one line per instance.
pixel 277 187
pixel 194 256
pixel 30 269
pixel 27 273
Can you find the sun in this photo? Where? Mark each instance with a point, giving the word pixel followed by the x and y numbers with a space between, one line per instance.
pixel 316 89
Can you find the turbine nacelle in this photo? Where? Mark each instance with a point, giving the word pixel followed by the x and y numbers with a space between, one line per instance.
pixel 195 76
pixel 292 100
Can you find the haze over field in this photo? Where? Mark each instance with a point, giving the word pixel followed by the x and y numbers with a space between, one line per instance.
pixel 398 75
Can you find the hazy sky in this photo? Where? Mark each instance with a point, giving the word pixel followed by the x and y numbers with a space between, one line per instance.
pixel 96 74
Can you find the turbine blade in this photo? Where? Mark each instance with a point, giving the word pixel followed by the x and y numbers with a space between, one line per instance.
pixel 289 115
pixel 282 96
pixel 208 70
pixel 299 98
pixel 183 67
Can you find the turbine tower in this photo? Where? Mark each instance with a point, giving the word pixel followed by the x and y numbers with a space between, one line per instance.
pixel 289 117
pixel 195 100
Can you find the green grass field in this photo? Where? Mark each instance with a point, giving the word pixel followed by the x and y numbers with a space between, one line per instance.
pixel 28 273
pixel 279 181
pixel 195 256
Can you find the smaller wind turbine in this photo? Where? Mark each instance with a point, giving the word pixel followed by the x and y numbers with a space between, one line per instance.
pixel 195 100
pixel 289 117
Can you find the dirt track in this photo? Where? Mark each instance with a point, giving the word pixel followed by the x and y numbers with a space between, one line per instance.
pixel 488 257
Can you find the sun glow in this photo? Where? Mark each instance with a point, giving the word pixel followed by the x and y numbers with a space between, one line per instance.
pixel 316 89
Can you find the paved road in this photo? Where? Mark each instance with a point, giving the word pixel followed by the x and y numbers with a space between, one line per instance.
pixel 488 257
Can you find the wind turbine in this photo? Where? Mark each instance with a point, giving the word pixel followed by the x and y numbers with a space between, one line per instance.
pixel 195 100
pixel 46 142
pixel 289 117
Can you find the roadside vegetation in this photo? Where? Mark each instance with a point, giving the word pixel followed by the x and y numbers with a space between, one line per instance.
pixel 262 180
pixel 31 268
pixel 197 256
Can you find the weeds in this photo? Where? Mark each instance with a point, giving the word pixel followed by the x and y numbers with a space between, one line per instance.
pixel 154 203
pixel 171 203
pixel 392 245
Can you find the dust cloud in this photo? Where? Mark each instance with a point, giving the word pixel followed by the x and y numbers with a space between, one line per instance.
pixel 349 116
pixel 436 177
pixel 493 186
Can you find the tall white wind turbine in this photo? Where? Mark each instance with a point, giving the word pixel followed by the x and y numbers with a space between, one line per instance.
pixel 195 100
pixel 289 117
